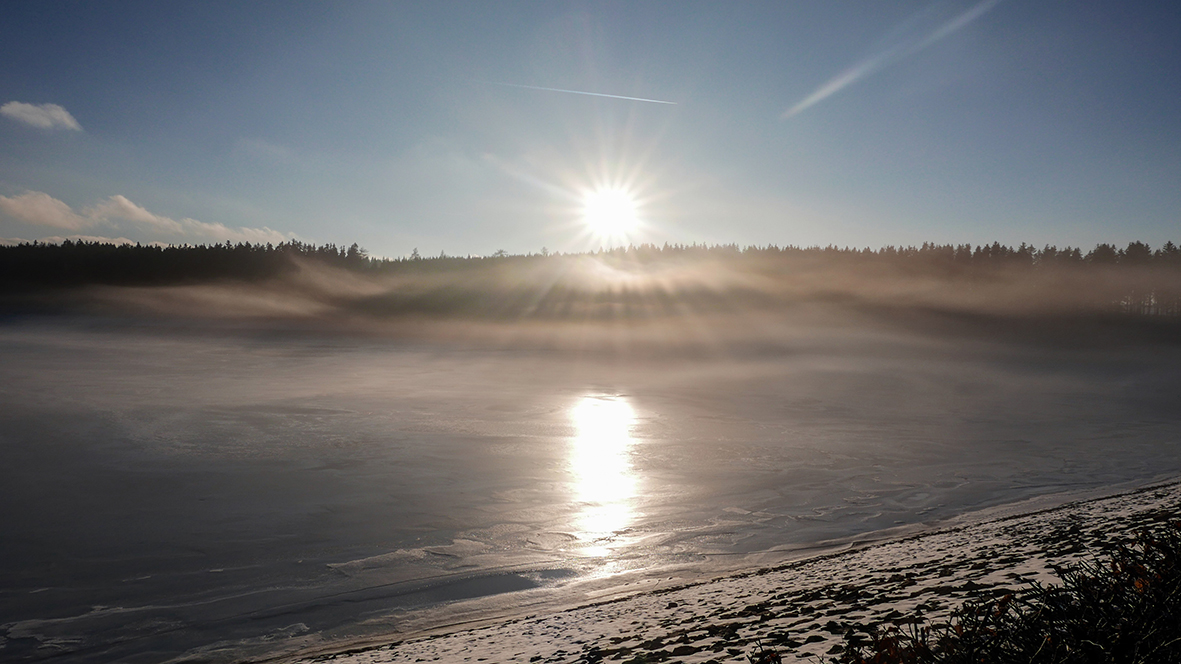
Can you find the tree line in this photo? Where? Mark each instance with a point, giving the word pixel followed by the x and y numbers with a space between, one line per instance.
pixel 82 262
pixel 1137 278
pixel 1136 253
pixel 79 263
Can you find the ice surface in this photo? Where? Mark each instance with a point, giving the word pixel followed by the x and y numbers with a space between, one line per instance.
pixel 171 488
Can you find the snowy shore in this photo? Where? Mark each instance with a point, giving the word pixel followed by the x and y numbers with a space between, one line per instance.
pixel 803 609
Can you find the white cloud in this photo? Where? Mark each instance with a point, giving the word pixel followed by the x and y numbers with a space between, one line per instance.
pixel 58 239
pixel 222 232
pixel 118 207
pixel 41 209
pixel 42 116
pixel 102 239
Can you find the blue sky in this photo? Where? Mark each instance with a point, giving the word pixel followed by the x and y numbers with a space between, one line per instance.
pixel 402 126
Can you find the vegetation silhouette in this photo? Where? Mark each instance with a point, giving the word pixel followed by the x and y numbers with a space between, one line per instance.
pixel 1126 608
pixel 634 282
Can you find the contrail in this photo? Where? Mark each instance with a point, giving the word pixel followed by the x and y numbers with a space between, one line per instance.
pixel 888 57
pixel 581 92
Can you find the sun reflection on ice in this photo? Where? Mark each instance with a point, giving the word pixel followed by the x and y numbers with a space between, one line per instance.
pixel 599 460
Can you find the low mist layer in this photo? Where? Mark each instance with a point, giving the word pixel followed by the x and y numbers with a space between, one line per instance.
pixel 666 293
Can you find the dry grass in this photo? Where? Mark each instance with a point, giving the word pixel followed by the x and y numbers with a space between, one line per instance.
pixel 1125 608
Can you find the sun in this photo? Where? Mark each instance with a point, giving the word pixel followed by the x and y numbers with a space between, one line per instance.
pixel 610 213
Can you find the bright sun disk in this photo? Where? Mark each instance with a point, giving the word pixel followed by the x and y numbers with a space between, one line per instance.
pixel 610 213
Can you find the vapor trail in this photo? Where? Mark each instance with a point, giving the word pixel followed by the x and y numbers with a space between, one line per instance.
pixel 581 92
pixel 889 56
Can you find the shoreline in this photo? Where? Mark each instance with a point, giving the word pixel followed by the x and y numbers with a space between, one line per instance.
pixel 537 628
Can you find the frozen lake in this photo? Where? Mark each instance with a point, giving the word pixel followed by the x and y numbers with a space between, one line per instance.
pixel 221 491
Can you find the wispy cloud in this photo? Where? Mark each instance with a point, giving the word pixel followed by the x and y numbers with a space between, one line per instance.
pixel 218 231
pixel 901 49
pixel 102 239
pixel 40 209
pixel 118 207
pixel 42 116
pixel 58 239
pixel 264 150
